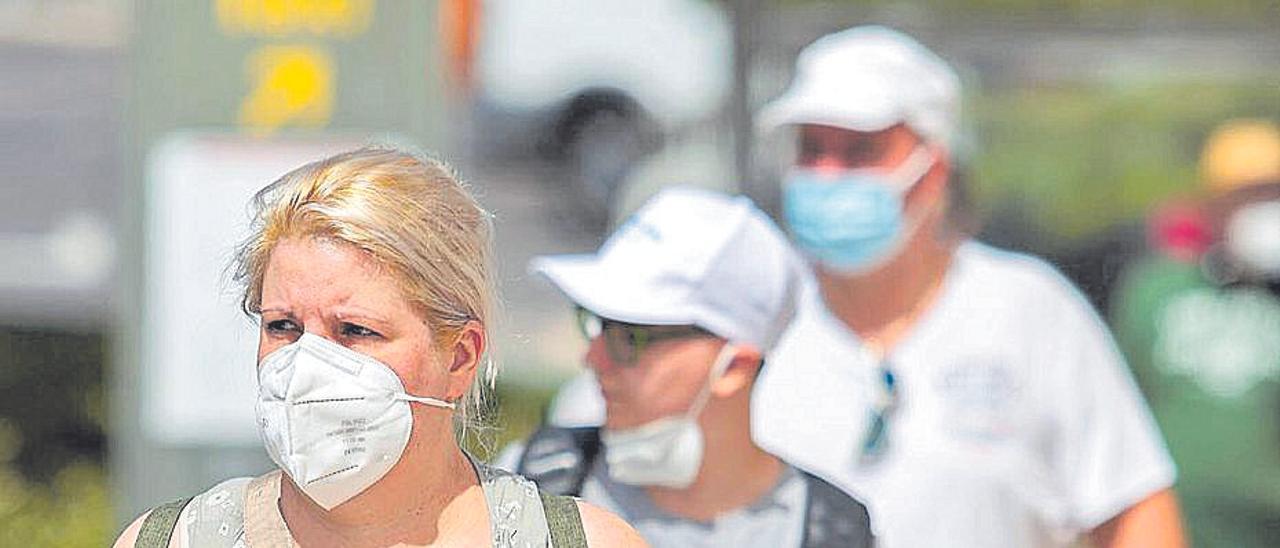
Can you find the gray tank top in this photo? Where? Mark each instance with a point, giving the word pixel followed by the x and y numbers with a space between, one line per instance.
pixel 243 512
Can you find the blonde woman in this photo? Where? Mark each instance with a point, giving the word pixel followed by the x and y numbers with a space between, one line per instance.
pixel 369 275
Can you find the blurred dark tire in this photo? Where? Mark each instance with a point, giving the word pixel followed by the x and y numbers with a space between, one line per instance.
pixel 602 150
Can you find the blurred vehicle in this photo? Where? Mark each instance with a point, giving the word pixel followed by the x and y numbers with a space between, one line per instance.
pixel 595 85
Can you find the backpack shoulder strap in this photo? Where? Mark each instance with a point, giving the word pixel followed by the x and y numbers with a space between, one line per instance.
pixel 833 518
pixel 563 520
pixel 158 528
pixel 558 459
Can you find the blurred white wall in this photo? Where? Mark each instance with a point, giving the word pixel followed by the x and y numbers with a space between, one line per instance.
pixel 79 23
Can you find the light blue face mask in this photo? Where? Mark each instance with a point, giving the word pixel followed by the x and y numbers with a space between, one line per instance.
pixel 851 221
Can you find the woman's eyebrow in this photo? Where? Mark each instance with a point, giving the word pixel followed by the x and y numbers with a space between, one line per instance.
pixel 344 315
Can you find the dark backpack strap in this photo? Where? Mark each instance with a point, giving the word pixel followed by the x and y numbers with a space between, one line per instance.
pixel 157 529
pixel 558 459
pixel 833 518
pixel 563 520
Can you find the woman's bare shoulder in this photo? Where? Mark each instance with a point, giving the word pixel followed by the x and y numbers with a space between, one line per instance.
pixel 130 533
pixel 604 528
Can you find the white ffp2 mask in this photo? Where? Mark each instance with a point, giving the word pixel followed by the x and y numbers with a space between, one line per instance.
pixel 332 418
pixel 1253 238
pixel 666 452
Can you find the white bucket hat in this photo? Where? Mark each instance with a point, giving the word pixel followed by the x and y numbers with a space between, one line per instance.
pixel 869 78
pixel 689 257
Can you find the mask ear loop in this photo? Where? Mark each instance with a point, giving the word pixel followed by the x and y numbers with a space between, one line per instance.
pixel 427 401
pixel 727 353
pixel 912 170
pixel 909 173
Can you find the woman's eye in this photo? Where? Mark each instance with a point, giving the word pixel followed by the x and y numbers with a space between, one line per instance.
pixel 282 326
pixel 353 330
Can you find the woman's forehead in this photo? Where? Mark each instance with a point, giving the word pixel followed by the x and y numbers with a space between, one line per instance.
pixel 315 272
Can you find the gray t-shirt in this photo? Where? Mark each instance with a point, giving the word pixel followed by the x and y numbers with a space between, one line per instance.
pixel 775 519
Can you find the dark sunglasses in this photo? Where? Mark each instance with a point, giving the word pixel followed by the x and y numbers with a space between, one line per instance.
pixel 626 341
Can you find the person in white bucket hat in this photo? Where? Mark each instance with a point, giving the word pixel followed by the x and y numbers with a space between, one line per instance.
pixel 680 305
pixel 970 395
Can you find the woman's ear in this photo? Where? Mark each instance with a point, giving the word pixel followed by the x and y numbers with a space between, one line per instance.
pixel 740 374
pixel 464 356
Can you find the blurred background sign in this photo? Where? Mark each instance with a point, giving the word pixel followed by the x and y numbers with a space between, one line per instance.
pixel 198 383
pixel 226 96
pixel 264 66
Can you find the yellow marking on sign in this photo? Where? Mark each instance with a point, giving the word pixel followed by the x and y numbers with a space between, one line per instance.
pixel 284 18
pixel 291 85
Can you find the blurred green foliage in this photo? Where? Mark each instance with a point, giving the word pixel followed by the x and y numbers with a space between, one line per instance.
pixel 1078 160
pixel 51 392
pixel 72 509
pixel 53 489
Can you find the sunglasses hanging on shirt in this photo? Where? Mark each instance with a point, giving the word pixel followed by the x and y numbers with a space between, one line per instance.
pixel 875 440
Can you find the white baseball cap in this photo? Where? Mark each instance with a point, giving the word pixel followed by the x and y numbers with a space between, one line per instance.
pixel 870 78
pixel 689 257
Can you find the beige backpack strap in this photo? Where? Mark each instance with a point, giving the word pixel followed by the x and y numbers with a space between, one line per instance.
pixel 263 524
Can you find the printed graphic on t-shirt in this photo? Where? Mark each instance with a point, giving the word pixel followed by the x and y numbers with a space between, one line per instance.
pixel 1227 341
pixel 978 399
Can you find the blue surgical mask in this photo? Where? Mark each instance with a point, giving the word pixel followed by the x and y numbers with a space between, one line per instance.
pixel 851 221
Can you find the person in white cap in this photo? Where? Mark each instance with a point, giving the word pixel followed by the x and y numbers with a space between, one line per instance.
pixel 971 396
pixel 680 305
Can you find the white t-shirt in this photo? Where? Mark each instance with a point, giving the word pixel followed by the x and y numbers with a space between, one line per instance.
pixel 1017 422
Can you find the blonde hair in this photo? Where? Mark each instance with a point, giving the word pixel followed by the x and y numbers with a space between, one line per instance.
pixel 412 215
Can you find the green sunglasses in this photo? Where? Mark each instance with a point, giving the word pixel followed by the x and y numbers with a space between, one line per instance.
pixel 626 341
